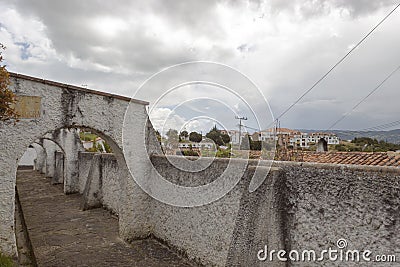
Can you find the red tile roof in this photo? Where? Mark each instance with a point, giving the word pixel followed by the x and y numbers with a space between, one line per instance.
pixel 356 158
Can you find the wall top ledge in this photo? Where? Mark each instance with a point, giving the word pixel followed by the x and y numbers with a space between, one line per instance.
pixel 77 88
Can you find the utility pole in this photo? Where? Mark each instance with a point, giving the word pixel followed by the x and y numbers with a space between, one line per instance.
pixel 240 127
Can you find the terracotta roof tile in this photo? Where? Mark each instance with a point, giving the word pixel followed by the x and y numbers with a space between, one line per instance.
pixel 355 158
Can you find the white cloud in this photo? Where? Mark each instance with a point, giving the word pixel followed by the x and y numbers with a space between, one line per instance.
pixel 283 45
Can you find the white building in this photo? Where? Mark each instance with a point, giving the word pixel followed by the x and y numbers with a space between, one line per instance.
pixel 201 145
pixel 234 135
pixel 294 138
pixel 272 133
pixel 330 138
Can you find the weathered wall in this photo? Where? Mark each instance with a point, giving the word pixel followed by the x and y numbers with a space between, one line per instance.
pixel 85 163
pixel 102 181
pixel 58 177
pixel 40 160
pixel 51 148
pixel 28 158
pixel 299 206
pixel 220 233
pixel 62 106
pixel 325 203
pixel 69 141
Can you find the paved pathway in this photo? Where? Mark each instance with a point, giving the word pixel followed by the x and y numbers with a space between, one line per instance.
pixel 63 235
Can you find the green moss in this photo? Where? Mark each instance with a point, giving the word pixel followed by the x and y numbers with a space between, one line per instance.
pixel 6 261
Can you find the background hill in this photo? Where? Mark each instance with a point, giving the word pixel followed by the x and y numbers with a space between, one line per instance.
pixel 392 136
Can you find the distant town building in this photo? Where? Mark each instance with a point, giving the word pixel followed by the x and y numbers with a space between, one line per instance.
pixel 234 135
pixel 269 134
pixel 294 138
pixel 193 145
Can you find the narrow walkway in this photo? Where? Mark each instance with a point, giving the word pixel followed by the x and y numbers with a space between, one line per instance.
pixel 63 235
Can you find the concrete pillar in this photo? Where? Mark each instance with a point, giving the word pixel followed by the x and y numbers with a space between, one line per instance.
pixel 50 147
pixel 322 145
pixel 92 194
pixel 58 177
pixel 40 160
pixel 70 142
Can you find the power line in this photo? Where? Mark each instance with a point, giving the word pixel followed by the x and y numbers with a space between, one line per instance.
pixel 365 98
pixel 381 127
pixel 248 127
pixel 240 127
pixel 337 63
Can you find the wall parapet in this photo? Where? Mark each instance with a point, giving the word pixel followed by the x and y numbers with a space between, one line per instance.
pixel 77 88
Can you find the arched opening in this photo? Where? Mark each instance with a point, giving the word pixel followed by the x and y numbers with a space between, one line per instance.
pixel 58 164
pixel 27 161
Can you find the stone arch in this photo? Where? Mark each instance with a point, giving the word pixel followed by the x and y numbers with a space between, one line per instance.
pixel 39 162
pixel 51 147
pixel 66 106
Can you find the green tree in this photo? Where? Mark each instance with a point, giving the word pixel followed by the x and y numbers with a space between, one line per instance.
pixel 195 137
pixel 7 98
pixel 184 134
pixel 172 135
pixel 215 135
pixel 225 138
pixel 173 139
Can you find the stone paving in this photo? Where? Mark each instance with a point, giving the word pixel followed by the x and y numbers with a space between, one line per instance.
pixel 63 235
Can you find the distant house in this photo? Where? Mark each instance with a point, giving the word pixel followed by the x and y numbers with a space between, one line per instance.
pixel 201 145
pixel 294 138
pixel 272 133
pixel 234 135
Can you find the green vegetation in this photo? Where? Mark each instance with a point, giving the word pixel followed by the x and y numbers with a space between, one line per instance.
pixel 190 152
pixel 223 153
pixel 85 136
pixel 218 138
pixel 366 144
pixel 183 135
pixel 6 261
pixel 159 138
pixel 97 147
pixel 172 135
pixel 195 137
pixel 7 98
pixel 107 147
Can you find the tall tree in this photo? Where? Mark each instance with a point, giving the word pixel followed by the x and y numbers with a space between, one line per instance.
pixel 215 135
pixel 195 137
pixel 225 138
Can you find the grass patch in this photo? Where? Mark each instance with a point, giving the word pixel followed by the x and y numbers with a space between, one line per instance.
pixel 6 261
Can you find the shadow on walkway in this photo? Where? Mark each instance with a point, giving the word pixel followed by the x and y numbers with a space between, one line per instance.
pixel 63 235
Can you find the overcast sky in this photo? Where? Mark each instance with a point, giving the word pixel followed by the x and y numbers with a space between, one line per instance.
pixel 283 46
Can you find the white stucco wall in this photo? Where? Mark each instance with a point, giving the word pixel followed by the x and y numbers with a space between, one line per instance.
pixel 61 106
pixel 28 158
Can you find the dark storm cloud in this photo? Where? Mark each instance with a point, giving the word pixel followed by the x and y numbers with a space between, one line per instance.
pixel 284 46
pixel 69 25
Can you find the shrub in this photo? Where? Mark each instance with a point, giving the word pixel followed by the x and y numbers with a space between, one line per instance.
pixel 6 261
